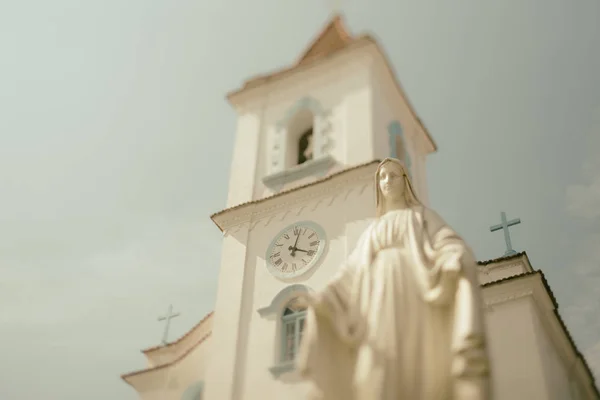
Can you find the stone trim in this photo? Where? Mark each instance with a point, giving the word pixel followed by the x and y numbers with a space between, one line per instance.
pixel 282 298
pixel 318 167
pixel 259 209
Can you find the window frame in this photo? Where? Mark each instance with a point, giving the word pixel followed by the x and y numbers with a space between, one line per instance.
pixel 275 312
pixel 298 318
pixel 280 170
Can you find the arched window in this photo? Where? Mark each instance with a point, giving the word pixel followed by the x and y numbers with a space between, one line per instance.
pixel 292 328
pixel 300 138
pixel 305 146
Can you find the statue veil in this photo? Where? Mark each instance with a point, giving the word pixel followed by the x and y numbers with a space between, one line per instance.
pixel 409 192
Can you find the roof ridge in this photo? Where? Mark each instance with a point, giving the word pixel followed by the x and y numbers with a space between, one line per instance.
pixel 336 23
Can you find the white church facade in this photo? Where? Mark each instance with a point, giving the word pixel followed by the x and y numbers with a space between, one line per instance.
pixel 308 142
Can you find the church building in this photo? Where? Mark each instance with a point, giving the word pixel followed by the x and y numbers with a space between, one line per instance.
pixel 309 139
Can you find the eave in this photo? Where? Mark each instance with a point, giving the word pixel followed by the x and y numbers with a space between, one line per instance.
pixel 238 213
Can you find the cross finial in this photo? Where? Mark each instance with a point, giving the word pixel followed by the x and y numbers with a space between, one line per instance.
pixel 167 317
pixel 504 226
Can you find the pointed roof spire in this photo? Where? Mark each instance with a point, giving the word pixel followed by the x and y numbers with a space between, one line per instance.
pixel 332 38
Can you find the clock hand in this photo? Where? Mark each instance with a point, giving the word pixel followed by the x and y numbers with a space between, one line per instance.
pixel 293 254
pixel 304 251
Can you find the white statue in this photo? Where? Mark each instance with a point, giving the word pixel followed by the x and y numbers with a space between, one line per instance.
pixel 403 318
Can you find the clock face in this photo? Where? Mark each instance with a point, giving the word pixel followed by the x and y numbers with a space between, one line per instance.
pixel 296 249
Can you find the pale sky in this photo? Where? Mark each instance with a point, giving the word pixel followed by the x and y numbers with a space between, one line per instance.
pixel 113 123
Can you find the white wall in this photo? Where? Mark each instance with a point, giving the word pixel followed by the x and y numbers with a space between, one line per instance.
pixel 226 320
pixel 342 221
pixel 517 371
pixel 555 374
pixel 245 153
pixel 388 106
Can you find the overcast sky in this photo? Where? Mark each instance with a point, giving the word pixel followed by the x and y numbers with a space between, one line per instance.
pixel 113 123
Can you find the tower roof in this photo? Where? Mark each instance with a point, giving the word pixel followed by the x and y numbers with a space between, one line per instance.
pixel 334 39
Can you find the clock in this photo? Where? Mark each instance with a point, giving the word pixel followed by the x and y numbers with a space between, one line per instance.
pixel 296 250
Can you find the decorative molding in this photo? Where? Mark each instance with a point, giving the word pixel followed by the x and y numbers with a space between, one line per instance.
pixel 253 225
pixel 327 200
pixel 280 139
pixel 363 188
pixel 316 205
pixel 333 198
pixel 305 103
pixel 486 269
pixel 260 211
pixel 283 215
pixel 266 221
pixel 508 297
pixel 299 211
pixel 348 193
pixel 325 125
pixel 315 167
pixel 236 229
pixel 281 299
pixel 283 212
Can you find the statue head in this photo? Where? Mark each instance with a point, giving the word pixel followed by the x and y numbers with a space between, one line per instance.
pixel 393 187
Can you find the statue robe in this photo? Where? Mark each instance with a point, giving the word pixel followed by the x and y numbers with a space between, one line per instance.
pixel 402 319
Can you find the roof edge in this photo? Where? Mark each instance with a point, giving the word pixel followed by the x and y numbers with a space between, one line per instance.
pixel 503 258
pixel 259 81
pixel 162 366
pixel 401 91
pixel 215 217
pixel 336 22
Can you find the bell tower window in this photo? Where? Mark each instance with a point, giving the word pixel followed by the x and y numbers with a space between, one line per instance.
pixel 305 146
pixel 299 145
pixel 300 131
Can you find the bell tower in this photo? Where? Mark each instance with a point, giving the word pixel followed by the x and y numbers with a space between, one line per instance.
pixel 307 143
pixel 337 106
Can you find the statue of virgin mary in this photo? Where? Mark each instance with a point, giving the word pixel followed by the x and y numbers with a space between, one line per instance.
pixel 403 317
